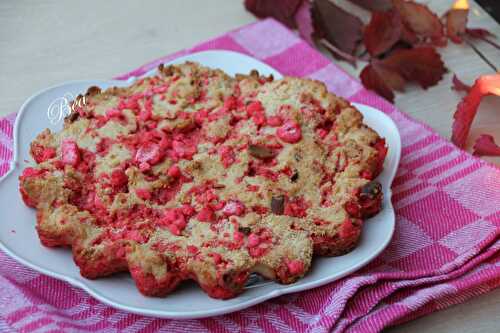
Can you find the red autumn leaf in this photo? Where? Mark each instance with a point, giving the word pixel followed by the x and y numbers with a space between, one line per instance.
pixel 478 33
pixel 485 146
pixel 482 34
pixel 421 20
pixel 338 53
pixel 422 65
pixel 372 80
pixel 383 31
pixel 456 20
pixel 303 20
pixel 467 108
pixel 374 5
pixel 382 80
pixel 282 10
pixel 458 85
pixel 342 29
pixel 392 78
pixel 408 36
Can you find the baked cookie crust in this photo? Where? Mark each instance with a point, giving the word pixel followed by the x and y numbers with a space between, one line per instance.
pixel 193 174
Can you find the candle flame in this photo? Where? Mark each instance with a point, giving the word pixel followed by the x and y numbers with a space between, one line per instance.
pixel 461 5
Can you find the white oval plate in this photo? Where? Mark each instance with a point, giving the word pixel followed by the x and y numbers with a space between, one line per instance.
pixel 19 239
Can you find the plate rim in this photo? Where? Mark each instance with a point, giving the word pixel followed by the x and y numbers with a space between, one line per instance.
pixel 283 290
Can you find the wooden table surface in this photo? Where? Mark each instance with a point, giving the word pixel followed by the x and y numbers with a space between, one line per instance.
pixel 44 43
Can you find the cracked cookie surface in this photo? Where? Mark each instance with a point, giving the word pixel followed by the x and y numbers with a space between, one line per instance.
pixel 192 174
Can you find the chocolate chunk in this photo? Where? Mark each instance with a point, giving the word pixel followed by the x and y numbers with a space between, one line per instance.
pixel 72 116
pixel 371 190
pixel 94 90
pixel 278 204
pixel 168 70
pixel 254 73
pixel 370 199
pixel 233 280
pixel 294 177
pixel 261 151
pixel 245 230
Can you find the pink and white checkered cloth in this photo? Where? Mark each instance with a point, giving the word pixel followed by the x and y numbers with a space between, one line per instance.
pixel 445 249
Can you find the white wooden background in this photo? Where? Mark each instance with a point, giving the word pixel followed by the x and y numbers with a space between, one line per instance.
pixel 43 43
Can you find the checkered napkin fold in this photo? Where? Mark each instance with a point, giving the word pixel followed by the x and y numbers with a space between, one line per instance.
pixel 444 251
